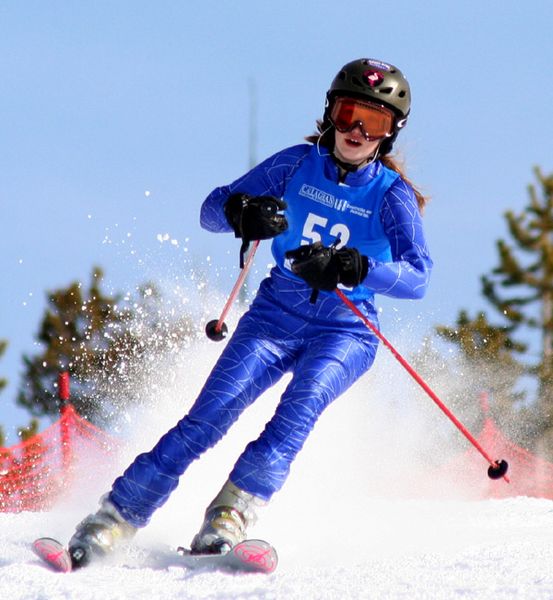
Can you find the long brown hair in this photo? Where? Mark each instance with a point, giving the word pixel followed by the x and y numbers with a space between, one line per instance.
pixel 392 162
pixel 325 137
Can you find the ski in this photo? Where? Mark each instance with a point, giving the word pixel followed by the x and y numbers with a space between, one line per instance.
pixel 53 553
pixel 249 556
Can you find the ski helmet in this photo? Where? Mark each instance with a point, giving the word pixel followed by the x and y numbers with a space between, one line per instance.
pixel 374 81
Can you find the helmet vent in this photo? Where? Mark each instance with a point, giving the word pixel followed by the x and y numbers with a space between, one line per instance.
pixel 387 90
pixel 356 81
pixel 402 94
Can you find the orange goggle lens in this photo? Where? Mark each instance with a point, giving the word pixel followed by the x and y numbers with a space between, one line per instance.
pixel 376 121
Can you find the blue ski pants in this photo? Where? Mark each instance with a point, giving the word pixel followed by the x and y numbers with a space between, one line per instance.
pixel 326 355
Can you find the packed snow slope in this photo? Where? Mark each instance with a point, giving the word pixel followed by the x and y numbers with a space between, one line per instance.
pixel 363 515
pixel 377 549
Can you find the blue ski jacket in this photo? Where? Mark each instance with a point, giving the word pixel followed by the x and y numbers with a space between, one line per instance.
pixel 373 210
pixel 325 346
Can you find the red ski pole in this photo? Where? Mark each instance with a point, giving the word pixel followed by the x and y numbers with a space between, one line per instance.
pixel 497 468
pixel 217 329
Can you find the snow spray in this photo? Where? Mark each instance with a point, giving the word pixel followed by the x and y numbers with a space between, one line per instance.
pixel 497 468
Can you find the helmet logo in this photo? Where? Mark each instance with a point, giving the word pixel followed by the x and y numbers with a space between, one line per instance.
pixel 373 77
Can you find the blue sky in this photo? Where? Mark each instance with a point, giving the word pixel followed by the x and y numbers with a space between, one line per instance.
pixel 118 118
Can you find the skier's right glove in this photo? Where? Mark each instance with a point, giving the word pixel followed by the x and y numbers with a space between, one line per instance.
pixel 324 267
pixel 255 217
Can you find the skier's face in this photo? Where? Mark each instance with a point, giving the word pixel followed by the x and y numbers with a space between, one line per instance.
pixel 352 147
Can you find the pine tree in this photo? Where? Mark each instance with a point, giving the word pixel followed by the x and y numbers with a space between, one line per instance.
pixel 522 290
pixel 3 384
pixel 491 364
pixel 105 342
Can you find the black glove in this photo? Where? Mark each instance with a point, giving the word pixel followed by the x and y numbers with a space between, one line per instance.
pixel 255 217
pixel 323 268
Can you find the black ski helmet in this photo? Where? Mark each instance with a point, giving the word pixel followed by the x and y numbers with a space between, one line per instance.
pixel 375 81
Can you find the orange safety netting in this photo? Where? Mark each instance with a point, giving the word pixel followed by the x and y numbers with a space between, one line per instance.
pixel 529 475
pixel 34 473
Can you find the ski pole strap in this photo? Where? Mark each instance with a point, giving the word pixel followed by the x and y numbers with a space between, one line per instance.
pixel 243 249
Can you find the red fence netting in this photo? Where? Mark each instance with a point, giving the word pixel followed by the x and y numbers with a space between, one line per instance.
pixel 529 474
pixel 34 473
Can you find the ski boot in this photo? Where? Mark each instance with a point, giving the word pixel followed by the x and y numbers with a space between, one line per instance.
pixel 226 521
pixel 99 534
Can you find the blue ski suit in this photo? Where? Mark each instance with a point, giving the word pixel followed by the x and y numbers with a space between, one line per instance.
pixel 325 346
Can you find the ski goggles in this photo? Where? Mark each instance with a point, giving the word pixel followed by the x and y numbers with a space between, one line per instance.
pixel 376 122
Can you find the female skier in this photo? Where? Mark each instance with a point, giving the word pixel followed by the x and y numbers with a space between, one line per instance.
pixel 340 213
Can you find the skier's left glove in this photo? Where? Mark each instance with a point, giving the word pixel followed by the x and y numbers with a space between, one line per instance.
pixel 323 268
pixel 255 217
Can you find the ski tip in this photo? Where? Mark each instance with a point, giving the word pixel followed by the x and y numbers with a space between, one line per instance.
pixel 256 555
pixel 53 553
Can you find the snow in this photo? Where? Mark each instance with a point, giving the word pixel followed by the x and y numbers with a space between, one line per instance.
pixel 399 549
pixel 363 514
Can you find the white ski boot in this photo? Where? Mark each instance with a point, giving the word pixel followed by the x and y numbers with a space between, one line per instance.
pixel 99 534
pixel 226 521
